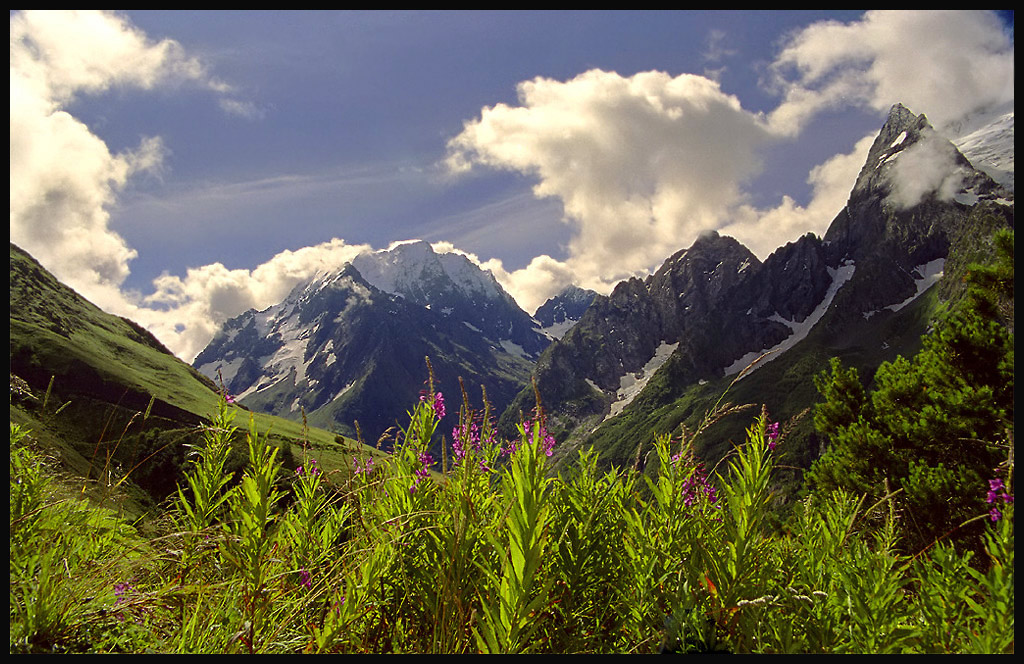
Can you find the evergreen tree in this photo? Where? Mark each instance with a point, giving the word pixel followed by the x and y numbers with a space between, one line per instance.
pixel 935 428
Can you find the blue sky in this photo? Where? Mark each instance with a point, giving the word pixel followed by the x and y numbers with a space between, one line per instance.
pixel 179 167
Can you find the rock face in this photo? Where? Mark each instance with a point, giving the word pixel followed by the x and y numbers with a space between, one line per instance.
pixel 713 308
pixel 454 286
pixel 563 311
pixel 342 350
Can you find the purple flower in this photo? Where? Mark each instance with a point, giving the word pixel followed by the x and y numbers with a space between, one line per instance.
pixel 305 579
pixel 312 470
pixel 422 472
pixel 773 435
pixel 367 468
pixel 437 403
pixel 546 440
pixel 997 492
pixel 120 590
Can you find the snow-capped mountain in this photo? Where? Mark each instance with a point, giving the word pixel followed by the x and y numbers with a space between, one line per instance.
pixel 918 208
pixel 990 148
pixel 454 286
pixel 350 346
pixel 342 350
pixel 561 312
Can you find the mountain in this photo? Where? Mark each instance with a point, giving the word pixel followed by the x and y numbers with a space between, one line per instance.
pixel 660 352
pixel 350 346
pixel 563 310
pixel 453 285
pixel 109 401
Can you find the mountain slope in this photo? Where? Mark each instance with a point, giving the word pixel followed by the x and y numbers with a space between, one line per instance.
pixel 561 312
pixel 119 401
pixel 339 350
pixel 660 352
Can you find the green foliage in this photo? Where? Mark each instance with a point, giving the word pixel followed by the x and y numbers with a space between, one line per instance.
pixel 935 427
pixel 496 553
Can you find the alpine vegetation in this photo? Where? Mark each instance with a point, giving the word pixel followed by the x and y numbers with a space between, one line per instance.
pixel 490 551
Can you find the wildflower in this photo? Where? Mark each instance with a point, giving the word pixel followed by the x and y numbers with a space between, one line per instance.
pixel 546 440
pixel 312 470
pixel 437 403
pixel 305 579
pixel 120 590
pixel 366 468
pixel 996 493
pixel 422 472
pixel 773 435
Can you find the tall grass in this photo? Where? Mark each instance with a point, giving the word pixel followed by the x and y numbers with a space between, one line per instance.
pixel 491 552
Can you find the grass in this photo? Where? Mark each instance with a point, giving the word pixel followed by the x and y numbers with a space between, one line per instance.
pixel 497 554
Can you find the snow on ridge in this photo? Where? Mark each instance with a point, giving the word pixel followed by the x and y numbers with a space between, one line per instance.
pixel 799 330
pixel 630 385
pixel 558 330
pixel 931 273
pixel 513 348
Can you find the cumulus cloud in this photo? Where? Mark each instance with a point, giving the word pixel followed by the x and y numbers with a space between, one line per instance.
pixel 639 163
pixel 761 229
pixel 643 164
pixel 185 312
pixel 946 64
pixel 64 179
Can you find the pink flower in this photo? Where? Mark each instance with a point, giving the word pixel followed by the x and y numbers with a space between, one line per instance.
pixel 773 435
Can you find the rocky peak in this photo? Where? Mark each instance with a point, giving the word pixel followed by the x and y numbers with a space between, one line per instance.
pixel 562 311
pixel 694 281
pixel 901 130
pixel 795 278
pixel 455 287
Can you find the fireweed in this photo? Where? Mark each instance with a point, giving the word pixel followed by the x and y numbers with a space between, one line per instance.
pixel 498 554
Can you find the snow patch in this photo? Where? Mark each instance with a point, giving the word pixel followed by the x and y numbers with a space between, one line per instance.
pixel 931 273
pixel 513 348
pixel 558 330
pixel 631 384
pixel 343 391
pixel 798 331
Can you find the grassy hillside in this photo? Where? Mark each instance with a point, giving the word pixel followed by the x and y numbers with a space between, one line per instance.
pixel 110 401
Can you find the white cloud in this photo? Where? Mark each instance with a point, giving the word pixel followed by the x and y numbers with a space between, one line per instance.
pixel 639 163
pixel 760 230
pixel 945 64
pixel 63 177
pixel 925 168
pixel 643 164
pixel 185 313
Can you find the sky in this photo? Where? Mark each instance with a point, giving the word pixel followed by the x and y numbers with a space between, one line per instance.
pixel 182 167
